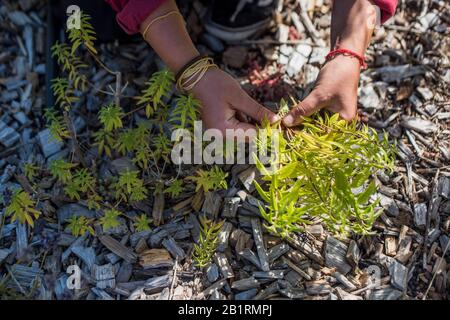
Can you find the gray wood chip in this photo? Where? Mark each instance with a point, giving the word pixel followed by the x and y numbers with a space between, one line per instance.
pixel 245 284
pixel 225 268
pixel 385 294
pixel 8 136
pixel 212 204
pixel 259 242
pixel 272 274
pixel 104 275
pixel 230 206
pixel 419 125
pixel 119 249
pixel 420 215
pixel 87 255
pixel 157 284
pixel 215 286
pixel 277 251
pixel 250 256
pixel 399 275
pixel 224 235
pixel 48 144
pixel 246 295
pixel 335 252
pixel 175 250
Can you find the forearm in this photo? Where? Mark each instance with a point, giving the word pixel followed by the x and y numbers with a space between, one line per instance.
pixel 169 37
pixel 352 24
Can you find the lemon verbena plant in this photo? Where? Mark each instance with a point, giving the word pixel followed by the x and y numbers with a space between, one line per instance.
pixel 324 171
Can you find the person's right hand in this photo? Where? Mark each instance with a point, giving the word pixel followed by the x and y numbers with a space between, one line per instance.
pixel 223 98
pixel 336 89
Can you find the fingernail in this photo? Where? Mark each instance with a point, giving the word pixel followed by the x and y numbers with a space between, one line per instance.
pixel 274 118
pixel 288 120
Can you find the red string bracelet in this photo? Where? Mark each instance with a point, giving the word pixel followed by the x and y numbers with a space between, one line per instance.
pixel 346 52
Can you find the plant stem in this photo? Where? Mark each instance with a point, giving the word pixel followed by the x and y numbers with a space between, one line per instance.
pixel 117 74
pixel 118 88
pixel 73 137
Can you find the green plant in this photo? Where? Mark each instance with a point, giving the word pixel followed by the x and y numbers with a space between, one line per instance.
pixel 56 125
pixel 142 155
pixel 175 188
pixel 132 139
pixel 142 223
pixel 81 182
pixel 110 219
pixel 70 64
pixel 83 35
pixel 213 179
pixel 64 93
pixel 207 243
pixel 104 141
pixel 283 216
pixel 186 112
pixel 324 171
pixel 22 208
pixel 130 187
pixel 79 225
pixel 30 170
pixel 126 141
pixel 60 169
pixel 93 200
pixel 111 117
pixel 158 87
pixel 161 147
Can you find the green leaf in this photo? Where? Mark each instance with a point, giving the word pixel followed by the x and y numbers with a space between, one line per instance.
pixel 288 171
pixel 365 195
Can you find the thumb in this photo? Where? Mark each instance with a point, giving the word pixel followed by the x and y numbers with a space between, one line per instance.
pixel 305 108
pixel 243 102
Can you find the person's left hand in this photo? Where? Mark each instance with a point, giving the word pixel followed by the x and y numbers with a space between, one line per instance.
pixel 224 103
pixel 336 89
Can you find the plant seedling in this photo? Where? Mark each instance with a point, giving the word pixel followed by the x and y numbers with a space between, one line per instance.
pixel 21 208
pixel 207 243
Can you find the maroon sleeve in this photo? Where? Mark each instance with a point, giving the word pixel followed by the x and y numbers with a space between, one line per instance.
pixel 131 13
pixel 387 8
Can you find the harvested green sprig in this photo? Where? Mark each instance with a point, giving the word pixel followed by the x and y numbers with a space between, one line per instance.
pixel 325 170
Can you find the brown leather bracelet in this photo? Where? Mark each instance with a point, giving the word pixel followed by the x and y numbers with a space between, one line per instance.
pixel 187 65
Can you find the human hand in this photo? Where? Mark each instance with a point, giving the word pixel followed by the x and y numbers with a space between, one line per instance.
pixel 336 89
pixel 223 100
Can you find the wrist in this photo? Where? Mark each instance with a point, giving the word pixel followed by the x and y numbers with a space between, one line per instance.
pixel 176 63
pixel 164 29
pixel 193 73
pixel 355 24
pixel 201 85
pixel 349 64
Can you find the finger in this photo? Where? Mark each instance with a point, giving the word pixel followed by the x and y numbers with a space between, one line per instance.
pixel 305 108
pixel 241 116
pixel 239 131
pixel 345 114
pixel 347 110
pixel 243 102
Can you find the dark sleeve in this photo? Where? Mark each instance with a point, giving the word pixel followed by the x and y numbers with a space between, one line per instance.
pixel 131 13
